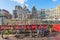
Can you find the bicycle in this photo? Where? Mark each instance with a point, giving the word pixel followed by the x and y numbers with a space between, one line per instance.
pixel 5 33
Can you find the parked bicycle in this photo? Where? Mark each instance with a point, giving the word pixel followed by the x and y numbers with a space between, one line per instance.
pixel 6 30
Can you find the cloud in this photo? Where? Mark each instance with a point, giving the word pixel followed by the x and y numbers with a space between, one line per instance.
pixel 27 5
pixel 20 1
pixel 54 0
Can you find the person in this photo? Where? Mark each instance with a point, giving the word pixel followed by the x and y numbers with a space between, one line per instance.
pixel 38 32
pixel 20 29
pixel 17 32
pixel 50 28
pixel 42 30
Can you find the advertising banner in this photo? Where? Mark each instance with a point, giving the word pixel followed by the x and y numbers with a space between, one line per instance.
pixel 56 27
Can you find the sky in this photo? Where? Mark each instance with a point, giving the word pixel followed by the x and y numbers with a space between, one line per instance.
pixel 10 4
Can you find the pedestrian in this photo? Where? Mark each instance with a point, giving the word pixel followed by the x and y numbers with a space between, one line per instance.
pixel 20 29
pixel 37 31
pixel 42 30
pixel 50 28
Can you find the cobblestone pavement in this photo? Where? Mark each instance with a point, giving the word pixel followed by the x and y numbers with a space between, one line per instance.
pixel 50 37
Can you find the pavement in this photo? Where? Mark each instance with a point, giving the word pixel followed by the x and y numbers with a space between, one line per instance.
pixel 54 36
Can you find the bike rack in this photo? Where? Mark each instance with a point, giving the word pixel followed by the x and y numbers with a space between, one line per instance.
pixel 31 30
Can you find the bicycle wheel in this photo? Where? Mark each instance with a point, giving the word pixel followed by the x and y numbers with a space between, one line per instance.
pixel 17 34
pixel 4 34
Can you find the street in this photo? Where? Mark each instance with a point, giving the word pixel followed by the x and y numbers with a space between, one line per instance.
pixel 50 37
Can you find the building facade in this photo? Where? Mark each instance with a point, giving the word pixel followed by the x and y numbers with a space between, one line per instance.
pixel 6 13
pixel 34 12
pixel 53 13
pixel 2 18
pixel 20 12
pixel 58 12
pixel 42 14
